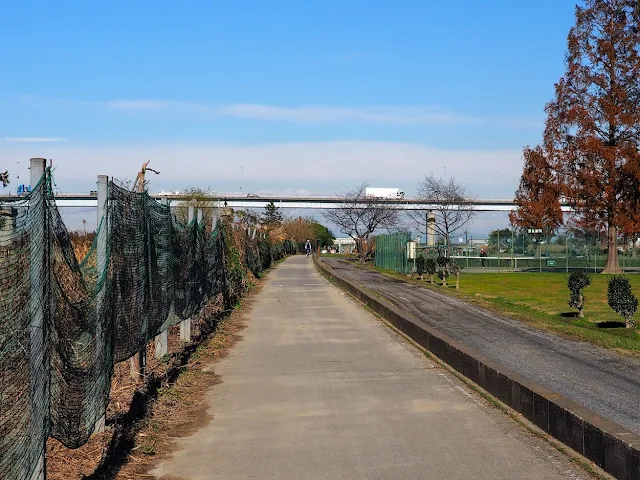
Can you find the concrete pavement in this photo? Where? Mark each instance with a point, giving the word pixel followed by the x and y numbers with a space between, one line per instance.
pixel 321 389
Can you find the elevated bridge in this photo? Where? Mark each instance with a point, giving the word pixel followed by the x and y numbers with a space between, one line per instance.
pixel 313 203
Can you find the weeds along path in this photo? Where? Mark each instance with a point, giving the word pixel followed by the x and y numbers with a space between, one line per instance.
pixel 596 378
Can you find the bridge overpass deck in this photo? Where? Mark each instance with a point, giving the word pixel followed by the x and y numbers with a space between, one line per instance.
pixel 321 389
pixel 314 203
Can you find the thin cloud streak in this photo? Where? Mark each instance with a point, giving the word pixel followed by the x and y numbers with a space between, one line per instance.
pixel 305 114
pixel 34 139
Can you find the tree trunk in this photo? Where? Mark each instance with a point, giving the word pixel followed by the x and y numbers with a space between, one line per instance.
pixel 361 254
pixel 458 280
pixel 581 306
pixel 612 251
pixel 629 323
pixel 431 278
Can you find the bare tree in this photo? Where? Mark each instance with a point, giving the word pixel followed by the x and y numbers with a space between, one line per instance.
pixel 450 204
pixel 359 216
pixel 4 178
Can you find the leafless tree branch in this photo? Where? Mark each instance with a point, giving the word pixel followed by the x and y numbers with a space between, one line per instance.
pixel 359 217
pixel 451 205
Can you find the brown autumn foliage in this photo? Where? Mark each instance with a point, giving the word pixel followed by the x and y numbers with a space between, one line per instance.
pixel 537 196
pixel 592 131
pixel 298 229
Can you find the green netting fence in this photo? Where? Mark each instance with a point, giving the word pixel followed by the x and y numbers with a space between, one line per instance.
pixel 64 322
pixel 391 252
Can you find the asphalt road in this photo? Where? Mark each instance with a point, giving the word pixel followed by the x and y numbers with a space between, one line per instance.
pixel 598 379
pixel 321 389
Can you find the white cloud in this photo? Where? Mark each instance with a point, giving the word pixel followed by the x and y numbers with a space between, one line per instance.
pixel 321 167
pixel 326 114
pixel 137 104
pixel 34 139
pixel 307 113
pixel 313 114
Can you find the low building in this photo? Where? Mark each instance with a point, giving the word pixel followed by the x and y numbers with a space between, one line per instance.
pixel 345 245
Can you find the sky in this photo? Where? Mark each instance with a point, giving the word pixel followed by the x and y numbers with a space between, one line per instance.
pixel 279 96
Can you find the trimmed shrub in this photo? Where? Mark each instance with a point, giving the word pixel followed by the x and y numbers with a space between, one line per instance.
pixel 443 269
pixel 621 299
pixel 430 268
pixel 578 280
pixel 420 266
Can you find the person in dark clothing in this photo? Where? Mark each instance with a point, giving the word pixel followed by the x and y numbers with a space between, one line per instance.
pixel 483 255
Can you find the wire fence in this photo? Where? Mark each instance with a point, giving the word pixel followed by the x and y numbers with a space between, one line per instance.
pixel 64 322
pixel 516 250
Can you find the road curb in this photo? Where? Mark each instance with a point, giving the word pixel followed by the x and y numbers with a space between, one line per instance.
pixel 607 444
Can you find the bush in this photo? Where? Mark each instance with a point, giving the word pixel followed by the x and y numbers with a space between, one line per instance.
pixel 578 280
pixel 621 299
pixel 430 266
pixel 420 266
pixel 443 269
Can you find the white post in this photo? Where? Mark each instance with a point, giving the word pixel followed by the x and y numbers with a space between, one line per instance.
pixel 214 219
pixel 37 275
pixel 161 340
pixel 185 325
pixel 101 264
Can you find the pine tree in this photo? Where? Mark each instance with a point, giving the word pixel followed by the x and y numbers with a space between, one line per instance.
pixel 271 216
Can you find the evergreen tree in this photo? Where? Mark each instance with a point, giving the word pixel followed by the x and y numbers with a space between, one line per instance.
pixel 271 216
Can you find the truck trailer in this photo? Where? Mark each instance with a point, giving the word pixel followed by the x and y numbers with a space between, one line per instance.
pixel 386 193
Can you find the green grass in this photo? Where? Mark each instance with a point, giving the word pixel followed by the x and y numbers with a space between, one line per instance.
pixel 541 299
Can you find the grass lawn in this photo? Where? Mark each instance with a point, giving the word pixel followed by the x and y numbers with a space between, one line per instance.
pixel 541 299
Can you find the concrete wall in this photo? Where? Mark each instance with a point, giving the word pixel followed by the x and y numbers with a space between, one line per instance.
pixel 607 444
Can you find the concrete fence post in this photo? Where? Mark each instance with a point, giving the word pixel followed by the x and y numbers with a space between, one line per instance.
pixel 39 381
pixel 214 219
pixel 101 264
pixel 185 325
pixel 161 341
pixel 7 225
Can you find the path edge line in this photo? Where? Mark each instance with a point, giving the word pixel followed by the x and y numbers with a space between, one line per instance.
pixel 608 445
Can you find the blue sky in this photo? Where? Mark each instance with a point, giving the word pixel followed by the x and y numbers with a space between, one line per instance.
pixel 311 97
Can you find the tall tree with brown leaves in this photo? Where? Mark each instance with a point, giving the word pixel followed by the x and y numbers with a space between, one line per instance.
pixel 538 195
pixel 592 132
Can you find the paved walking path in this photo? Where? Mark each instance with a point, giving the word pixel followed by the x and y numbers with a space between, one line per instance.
pixel 599 379
pixel 321 389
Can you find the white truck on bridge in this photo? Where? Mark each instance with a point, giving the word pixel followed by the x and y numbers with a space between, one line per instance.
pixel 386 193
